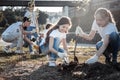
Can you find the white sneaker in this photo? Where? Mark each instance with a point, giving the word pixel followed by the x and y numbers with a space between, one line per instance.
pixel 32 52
pixel 92 60
pixel 6 49
pixel 19 51
pixel 52 64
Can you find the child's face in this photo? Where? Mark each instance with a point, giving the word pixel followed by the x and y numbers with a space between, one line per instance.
pixel 102 22
pixel 31 7
pixel 64 28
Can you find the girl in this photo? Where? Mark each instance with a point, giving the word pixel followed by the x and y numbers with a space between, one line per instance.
pixel 14 35
pixel 34 23
pixel 104 24
pixel 55 36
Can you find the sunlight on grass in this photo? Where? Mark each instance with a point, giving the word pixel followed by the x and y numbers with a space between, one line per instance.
pixel 8 60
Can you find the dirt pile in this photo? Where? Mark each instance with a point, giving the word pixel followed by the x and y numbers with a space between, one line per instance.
pixel 97 71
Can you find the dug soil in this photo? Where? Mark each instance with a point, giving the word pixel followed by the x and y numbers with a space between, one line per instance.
pixel 35 67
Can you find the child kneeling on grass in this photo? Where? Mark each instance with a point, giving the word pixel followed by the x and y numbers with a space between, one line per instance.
pixel 103 24
pixel 55 36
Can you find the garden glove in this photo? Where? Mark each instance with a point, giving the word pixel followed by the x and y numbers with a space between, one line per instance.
pixel 93 59
pixel 64 56
pixel 66 59
pixel 79 31
pixel 35 46
pixel 61 55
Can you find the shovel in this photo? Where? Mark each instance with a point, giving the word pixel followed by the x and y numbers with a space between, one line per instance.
pixel 75 57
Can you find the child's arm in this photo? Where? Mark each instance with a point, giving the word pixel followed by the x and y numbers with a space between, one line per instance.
pixel 89 36
pixel 82 34
pixel 104 46
pixel 28 40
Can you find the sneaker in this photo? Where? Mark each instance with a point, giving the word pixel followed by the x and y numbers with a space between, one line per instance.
pixel 6 49
pixel 32 52
pixel 19 51
pixel 52 64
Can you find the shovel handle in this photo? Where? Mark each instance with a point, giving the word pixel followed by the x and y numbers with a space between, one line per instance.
pixel 75 58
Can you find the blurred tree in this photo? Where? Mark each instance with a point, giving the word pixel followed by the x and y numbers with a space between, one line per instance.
pixel 75 23
pixel 10 15
pixel 42 19
pixel 3 20
pixel 19 13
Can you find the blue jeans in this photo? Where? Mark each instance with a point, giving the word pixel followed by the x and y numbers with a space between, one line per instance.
pixel 113 46
pixel 30 28
pixel 56 44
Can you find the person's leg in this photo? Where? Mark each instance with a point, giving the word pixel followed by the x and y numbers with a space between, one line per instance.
pixel 56 47
pixel 10 38
pixel 52 55
pixel 19 48
pixel 30 36
pixel 36 36
pixel 114 44
pixel 106 52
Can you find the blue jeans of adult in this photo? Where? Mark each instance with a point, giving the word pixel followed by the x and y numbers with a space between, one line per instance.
pixel 30 28
pixel 113 46
pixel 56 45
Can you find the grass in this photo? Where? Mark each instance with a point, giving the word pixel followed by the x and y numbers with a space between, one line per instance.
pixel 6 59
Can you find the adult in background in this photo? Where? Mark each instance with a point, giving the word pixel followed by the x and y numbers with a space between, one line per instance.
pixel 34 24
pixel 15 34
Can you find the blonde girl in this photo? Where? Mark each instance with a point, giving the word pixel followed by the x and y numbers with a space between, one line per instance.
pixel 104 24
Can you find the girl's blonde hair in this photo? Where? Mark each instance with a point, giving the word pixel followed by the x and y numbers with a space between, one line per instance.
pixel 103 12
pixel 31 4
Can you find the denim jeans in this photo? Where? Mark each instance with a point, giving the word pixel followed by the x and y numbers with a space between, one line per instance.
pixel 113 46
pixel 30 28
pixel 56 45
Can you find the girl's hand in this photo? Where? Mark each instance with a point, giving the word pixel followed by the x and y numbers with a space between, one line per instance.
pixel 36 47
pixel 62 55
pixel 92 60
pixel 79 31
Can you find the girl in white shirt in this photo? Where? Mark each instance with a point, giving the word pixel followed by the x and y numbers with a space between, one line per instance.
pixel 55 36
pixel 104 24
